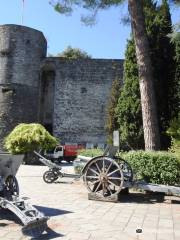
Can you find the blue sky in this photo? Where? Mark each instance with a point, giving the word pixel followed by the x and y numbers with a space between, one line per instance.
pixel 107 39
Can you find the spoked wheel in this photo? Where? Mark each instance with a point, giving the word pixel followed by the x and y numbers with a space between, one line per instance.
pixel 49 177
pixel 104 177
pixel 11 186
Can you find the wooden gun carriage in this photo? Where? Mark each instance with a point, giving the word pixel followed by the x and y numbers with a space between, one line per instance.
pixel 106 177
pixel 34 221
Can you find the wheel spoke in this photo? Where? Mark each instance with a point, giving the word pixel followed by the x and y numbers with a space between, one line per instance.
pixel 92 177
pixel 109 167
pixel 116 178
pixel 113 183
pixel 98 168
pixel 94 171
pixel 93 183
pixel 109 189
pixel 112 172
pixel 96 181
pixel 103 169
pixel 104 188
pixel 97 187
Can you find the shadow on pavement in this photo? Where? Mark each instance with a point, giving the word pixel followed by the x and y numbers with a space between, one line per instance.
pixel 51 212
pixel 149 198
pixel 5 214
pixel 49 235
pixel 8 215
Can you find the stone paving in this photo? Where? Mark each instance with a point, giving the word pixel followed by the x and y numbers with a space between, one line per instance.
pixel 74 217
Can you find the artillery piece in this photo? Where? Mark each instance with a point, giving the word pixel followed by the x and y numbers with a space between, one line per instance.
pixel 34 221
pixel 106 177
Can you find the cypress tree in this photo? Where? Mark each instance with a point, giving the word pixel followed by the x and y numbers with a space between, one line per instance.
pixel 111 122
pixel 158 25
pixel 163 58
pixel 177 74
pixel 129 104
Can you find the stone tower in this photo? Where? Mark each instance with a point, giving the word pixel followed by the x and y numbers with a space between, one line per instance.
pixel 22 50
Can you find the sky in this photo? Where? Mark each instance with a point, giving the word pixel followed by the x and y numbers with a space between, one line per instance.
pixel 107 39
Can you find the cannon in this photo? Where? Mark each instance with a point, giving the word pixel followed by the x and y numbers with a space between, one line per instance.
pixel 35 223
pixel 106 177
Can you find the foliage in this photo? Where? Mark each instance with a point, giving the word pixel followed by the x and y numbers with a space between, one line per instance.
pixel 154 167
pixel 129 108
pixel 177 73
pixel 66 7
pixel 73 53
pixel 78 166
pixel 158 25
pixel 111 123
pixel 174 132
pixel 174 129
pixel 175 147
pixel 165 82
pixel 175 35
pixel 28 137
pixel 94 152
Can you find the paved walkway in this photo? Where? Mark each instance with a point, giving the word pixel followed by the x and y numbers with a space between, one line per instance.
pixel 74 217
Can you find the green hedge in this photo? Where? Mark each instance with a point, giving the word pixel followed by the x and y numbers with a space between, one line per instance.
pixel 154 167
pixel 94 152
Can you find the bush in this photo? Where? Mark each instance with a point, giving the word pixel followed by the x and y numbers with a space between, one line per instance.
pixel 25 138
pixel 174 132
pixel 175 148
pixel 154 167
pixel 78 166
pixel 94 152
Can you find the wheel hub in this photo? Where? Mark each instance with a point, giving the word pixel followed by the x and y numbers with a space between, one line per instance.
pixel 103 177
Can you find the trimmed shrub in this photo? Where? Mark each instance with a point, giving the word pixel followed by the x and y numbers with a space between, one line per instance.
pixel 154 167
pixel 94 152
pixel 25 138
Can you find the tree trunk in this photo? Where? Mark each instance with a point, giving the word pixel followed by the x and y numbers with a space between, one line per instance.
pixel 148 103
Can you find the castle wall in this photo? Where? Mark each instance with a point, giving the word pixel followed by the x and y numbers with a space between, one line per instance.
pixel 82 89
pixel 67 96
pixel 21 52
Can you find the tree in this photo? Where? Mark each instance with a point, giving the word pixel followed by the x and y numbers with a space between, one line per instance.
pixel 111 123
pixel 175 38
pixel 148 102
pixel 158 25
pixel 128 109
pixel 163 54
pixel 73 53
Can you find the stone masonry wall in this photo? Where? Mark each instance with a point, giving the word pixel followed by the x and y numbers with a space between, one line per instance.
pixel 78 96
pixel 21 52
pixel 82 89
